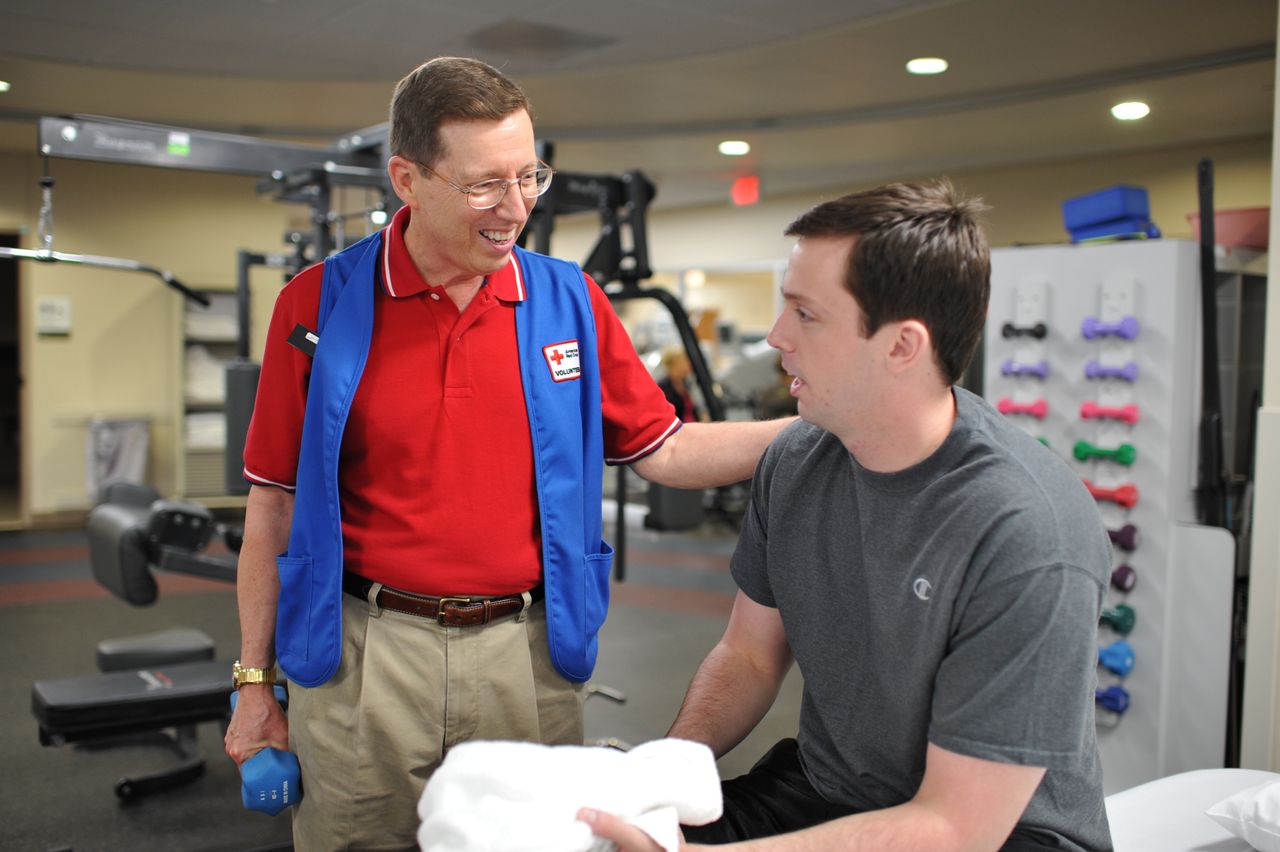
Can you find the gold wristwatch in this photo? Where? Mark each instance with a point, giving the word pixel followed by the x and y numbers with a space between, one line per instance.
pixel 241 675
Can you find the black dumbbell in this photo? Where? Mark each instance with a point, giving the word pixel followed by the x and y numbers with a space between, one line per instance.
pixel 1039 331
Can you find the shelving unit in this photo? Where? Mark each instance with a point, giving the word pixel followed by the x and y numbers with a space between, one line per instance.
pixel 208 342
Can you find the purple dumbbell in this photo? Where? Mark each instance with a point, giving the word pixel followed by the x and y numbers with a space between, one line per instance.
pixel 1125 538
pixel 1093 327
pixel 1094 370
pixel 1013 368
pixel 1124 578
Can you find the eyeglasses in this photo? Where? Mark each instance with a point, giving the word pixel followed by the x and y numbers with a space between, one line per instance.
pixel 487 194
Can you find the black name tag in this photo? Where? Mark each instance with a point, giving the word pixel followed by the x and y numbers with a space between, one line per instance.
pixel 304 339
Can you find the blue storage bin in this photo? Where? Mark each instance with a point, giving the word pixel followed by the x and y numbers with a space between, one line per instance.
pixel 1106 205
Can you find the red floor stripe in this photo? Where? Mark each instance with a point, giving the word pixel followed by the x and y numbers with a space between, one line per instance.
pixel 44 591
pixel 23 556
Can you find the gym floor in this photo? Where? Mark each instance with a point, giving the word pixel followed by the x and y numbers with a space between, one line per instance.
pixel 669 612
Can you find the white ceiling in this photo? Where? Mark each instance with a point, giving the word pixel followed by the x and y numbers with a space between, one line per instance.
pixel 816 86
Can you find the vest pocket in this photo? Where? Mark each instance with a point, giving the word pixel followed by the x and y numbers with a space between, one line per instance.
pixel 293 613
pixel 598 567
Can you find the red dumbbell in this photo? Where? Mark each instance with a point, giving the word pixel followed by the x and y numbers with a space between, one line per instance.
pixel 1093 411
pixel 1039 408
pixel 1124 495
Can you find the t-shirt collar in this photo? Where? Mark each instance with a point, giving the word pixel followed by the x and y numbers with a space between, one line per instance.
pixel 401 278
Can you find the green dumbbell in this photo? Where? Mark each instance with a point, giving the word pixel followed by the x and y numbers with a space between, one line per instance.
pixel 1120 618
pixel 1124 454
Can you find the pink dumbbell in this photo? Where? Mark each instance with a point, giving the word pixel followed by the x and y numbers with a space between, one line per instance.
pixel 1124 495
pixel 1039 408
pixel 1093 411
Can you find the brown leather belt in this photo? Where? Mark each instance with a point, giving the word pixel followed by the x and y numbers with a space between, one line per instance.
pixel 451 610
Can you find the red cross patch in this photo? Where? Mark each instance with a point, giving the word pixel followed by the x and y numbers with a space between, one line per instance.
pixel 563 360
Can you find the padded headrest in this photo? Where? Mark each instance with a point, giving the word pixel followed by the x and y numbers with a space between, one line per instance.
pixel 118 551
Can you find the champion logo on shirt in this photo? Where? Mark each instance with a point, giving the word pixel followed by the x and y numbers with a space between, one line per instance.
pixel 563 360
pixel 923 588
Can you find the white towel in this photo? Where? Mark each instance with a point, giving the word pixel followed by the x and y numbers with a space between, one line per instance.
pixel 524 797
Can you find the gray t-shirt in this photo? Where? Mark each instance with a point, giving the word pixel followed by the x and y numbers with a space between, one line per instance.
pixel 954 602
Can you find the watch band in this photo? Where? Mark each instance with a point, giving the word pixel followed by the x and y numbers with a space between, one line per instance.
pixel 240 675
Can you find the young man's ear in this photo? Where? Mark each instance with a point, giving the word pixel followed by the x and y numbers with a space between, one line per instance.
pixel 909 345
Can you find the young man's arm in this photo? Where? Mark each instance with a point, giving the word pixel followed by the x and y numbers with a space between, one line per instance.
pixel 964 803
pixel 258 721
pixel 707 455
pixel 738 681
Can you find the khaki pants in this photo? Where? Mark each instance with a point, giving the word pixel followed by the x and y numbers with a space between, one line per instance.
pixel 406 691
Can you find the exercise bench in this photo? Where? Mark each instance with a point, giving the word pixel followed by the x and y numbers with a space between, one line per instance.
pixel 159 684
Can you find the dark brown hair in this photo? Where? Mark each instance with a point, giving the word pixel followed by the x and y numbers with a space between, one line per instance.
pixel 448 88
pixel 919 253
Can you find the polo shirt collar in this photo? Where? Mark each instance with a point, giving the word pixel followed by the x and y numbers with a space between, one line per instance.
pixel 401 278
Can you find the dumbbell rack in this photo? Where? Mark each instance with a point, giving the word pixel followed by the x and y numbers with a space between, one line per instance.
pixel 1133 380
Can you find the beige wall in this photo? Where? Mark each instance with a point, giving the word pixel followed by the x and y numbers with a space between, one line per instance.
pixel 123 356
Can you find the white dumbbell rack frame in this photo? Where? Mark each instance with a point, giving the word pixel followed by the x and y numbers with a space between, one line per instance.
pixel 1177 717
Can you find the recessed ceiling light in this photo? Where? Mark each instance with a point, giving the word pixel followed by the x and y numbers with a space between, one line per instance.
pixel 1130 110
pixel 927 65
pixel 734 148
pixel 4 85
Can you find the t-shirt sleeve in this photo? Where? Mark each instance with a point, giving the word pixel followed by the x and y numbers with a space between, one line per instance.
pixel 749 564
pixel 636 415
pixel 275 431
pixel 1017 683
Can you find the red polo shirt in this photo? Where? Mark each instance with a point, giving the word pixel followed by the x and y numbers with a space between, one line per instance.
pixel 436 471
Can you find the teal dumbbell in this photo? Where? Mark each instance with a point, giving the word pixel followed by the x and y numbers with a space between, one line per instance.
pixel 271 780
pixel 1120 618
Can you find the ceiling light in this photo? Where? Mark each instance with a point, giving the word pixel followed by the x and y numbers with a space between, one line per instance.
pixel 734 148
pixel 1130 110
pixel 378 217
pixel 4 85
pixel 927 65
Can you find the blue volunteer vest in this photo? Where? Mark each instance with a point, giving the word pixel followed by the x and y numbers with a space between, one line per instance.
pixel 568 454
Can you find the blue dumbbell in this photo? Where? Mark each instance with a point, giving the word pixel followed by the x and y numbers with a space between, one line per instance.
pixel 270 781
pixel 1113 698
pixel 1117 658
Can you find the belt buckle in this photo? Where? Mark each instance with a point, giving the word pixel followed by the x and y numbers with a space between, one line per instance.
pixel 440 607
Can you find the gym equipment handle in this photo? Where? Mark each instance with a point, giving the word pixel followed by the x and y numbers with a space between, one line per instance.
pixel 1039 331
pixel 1124 578
pixel 1120 618
pixel 1114 698
pixel 1122 495
pixel 1013 368
pixel 1117 658
pixel 1124 454
pixel 1126 538
pixel 1092 411
pixel 1092 328
pixel 270 781
pixel 1039 408
pixel 1096 370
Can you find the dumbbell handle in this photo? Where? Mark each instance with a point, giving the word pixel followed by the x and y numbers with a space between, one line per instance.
pixel 1097 370
pixel 1092 327
pixel 270 779
pixel 1114 698
pixel 1090 410
pixel 1126 538
pixel 1117 658
pixel 1013 368
pixel 1039 408
pixel 1124 454
pixel 1123 495
pixel 1039 331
